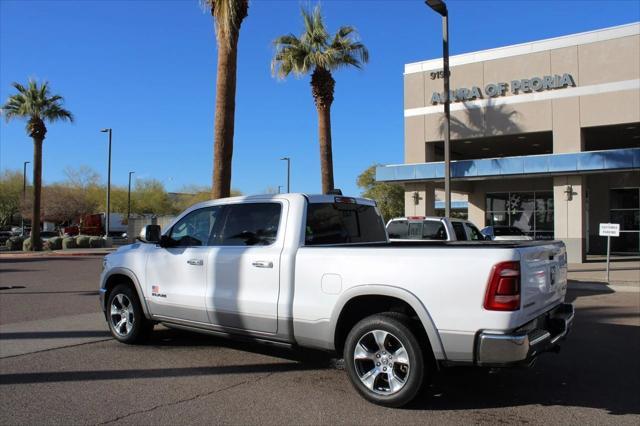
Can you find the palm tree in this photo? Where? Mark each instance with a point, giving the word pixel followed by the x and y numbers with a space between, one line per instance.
pixel 35 104
pixel 228 16
pixel 316 50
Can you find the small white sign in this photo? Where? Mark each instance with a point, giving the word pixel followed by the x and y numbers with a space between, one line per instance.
pixel 609 229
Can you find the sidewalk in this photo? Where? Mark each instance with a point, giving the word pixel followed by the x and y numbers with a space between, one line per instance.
pixel 57 253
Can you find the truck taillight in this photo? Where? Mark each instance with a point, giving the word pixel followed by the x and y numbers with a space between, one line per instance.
pixel 503 289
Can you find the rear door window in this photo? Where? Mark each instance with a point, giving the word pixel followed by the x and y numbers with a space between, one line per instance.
pixel 458 228
pixel 472 232
pixel 249 224
pixel 434 230
pixel 398 229
pixel 340 223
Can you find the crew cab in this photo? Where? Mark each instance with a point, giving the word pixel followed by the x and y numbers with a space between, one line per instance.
pixel 318 271
pixel 432 228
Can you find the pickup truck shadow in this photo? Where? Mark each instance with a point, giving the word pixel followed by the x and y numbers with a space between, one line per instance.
pixel 598 367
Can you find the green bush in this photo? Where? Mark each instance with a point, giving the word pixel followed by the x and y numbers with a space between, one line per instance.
pixel 14 243
pixel 54 243
pixel 26 244
pixel 96 242
pixel 82 241
pixel 69 243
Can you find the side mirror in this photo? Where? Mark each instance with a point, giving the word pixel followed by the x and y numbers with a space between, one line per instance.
pixel 150 234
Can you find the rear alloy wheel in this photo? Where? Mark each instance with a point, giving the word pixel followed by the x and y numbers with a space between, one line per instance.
pixel 125 317
pixel 384 360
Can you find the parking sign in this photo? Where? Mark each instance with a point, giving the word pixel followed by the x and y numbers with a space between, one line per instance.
pixel 609 229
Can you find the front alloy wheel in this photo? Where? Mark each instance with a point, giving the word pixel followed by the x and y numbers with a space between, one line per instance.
pixel 125 316
pixel 384 360
pixel 122 315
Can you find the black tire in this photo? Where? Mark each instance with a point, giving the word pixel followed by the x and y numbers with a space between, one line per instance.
pixel 380 390
pixel 139 327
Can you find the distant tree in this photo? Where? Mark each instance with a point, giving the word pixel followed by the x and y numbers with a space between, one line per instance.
pixel 151 198
pixel 319 53
pixel 228 16
pixel 61 203
pixel 35 104
pixel 389 196
pixel 81 177
pixel 10 195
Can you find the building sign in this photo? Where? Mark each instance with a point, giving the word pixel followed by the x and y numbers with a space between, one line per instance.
pixel 609 229
pixel 516 87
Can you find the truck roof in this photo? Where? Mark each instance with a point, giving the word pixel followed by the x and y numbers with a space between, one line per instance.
pixel 311 198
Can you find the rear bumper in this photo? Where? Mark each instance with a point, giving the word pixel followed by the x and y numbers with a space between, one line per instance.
pixel 521 346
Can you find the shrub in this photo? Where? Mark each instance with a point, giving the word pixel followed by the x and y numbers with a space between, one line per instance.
pixel 54 243
pixel 69 243
pixel 96 242
pixel 26 244
pixel 14 243
pixel 82 241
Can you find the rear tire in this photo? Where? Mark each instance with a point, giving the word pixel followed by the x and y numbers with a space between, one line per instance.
pixel 384 360
pixel 125 317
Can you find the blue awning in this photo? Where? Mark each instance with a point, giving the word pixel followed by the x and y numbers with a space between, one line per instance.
pixel 537 165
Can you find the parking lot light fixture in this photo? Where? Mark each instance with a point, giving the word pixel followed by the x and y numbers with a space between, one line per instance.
pixel 441 8
pixel 288 160
pixel 106 226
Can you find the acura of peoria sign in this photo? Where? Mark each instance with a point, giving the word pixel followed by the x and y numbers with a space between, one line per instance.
pixel 516 87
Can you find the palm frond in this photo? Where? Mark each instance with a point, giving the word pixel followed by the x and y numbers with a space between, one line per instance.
pixel 35 102
pixel 316 48
pixel 228 15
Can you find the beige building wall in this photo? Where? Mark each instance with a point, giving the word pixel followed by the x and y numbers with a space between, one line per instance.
pixel 605 66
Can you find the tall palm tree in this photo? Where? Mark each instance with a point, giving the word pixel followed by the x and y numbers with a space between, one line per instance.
pixel 35 104
pixel 318 52
pixel 228 16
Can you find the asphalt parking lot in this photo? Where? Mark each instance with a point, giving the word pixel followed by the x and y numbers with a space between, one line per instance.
pixel 59 365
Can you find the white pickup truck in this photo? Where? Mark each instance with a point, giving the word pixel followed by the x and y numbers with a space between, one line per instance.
pixel 318 271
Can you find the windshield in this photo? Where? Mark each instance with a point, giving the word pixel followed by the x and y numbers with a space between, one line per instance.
pixel 342 223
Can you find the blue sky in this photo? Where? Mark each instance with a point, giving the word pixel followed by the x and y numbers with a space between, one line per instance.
pixel 147 69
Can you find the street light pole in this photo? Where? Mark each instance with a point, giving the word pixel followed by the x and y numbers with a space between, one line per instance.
pixel 106 227
pixel 288 160
pixel 129 199
pixel 24 191
pixel 441 8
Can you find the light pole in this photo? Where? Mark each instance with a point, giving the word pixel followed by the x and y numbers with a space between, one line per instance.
pixel 24 191
pixel 441 8
pixel 106 226
pixel 288 160
pixel 129 199
pixel 279 189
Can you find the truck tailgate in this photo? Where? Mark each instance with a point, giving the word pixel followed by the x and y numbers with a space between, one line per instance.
pixel 544 278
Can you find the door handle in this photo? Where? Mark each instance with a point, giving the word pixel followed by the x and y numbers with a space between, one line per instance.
pixel 262 264
pixel 195 262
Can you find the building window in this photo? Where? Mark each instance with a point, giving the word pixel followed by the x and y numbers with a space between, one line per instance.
pixel 531 212
pixel 624 208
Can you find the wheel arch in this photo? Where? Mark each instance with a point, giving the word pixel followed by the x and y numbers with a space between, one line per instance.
pixel 120 275
pixel 392 294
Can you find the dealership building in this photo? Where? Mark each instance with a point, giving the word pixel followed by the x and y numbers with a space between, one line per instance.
pixel 545 136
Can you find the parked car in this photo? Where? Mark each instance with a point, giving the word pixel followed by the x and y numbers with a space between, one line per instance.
pixel 432 228
pixel 4 236
pixel 505 233
pixel 318 271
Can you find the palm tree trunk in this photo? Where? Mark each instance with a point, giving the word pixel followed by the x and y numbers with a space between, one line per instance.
pixel 322 87
pixel 225 115
pixel 326 152
pixel 37 191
